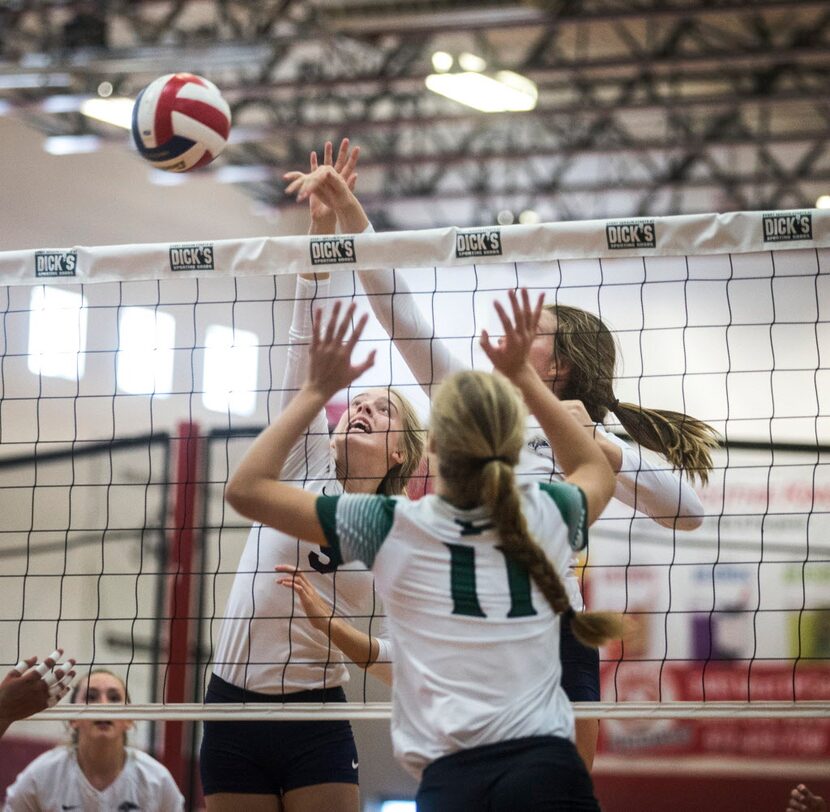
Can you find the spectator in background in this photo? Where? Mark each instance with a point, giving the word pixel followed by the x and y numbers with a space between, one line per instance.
pixel 96 770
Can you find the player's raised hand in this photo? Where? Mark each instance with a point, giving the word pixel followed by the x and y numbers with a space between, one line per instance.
pixel 510 353
pixel 30 686
pixel 325 185
pixel 330 367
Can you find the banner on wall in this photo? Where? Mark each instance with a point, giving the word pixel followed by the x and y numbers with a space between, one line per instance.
pixel 736 610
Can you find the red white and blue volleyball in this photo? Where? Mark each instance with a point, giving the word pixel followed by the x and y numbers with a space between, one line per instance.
pixel 180 122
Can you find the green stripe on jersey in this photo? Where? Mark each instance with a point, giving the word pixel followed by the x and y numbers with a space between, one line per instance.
pixel 356 525
pixel 570 499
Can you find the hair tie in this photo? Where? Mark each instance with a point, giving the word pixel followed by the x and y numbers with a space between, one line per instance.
pixel 485 460
pixel 613 406
pixel 569 613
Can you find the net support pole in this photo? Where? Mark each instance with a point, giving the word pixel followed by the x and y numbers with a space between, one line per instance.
pixel 180 562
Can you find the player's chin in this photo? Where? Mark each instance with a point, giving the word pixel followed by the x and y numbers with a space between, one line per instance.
pixel 363 454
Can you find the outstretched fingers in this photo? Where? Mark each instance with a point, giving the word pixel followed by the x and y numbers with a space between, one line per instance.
pixel 332 348
pixel 519 326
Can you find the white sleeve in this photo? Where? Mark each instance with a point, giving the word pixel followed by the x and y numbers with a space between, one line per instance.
pixel 309 458
pixel 394 306
pixel 385 649
pixel 308 293
pixel 21 796
pixel 649 485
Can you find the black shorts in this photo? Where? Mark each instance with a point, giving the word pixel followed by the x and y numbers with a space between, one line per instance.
pixel 272 758
pixel 580 666
pixel 536 774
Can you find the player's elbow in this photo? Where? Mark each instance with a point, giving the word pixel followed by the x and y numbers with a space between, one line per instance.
pixel 687 522
pixel 607 482
pixel 603 484
pixel 238 495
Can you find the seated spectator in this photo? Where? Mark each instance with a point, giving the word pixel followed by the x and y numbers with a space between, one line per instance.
pixel 97 770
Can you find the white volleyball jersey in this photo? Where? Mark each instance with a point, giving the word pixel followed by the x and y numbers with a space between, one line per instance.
pixel 54 782
pixel 476 643
pixel 266 643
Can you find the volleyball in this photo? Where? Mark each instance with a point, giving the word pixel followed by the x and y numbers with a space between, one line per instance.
pixel 180 122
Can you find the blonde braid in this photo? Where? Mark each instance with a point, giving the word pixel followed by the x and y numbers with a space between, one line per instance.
pixel 478 424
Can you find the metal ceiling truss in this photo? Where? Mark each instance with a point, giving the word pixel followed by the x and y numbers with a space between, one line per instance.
pixel 645 107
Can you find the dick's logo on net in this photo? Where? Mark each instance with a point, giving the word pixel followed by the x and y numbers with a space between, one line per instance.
pixel 331 250
pixel 191 257
pixel 55 263
pixel 789 225
pixel 631 234
pixel 483 243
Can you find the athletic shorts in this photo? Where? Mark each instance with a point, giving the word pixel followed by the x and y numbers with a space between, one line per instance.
pixel 535 774
pixel 580 666
pixel 272 758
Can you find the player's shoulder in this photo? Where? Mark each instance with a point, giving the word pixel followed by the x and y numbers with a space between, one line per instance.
pixel 55 757
pixel 48 764
pixel 146 764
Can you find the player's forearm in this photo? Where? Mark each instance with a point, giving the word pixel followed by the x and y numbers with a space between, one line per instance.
pixel 350 214
pixel 660 493
pixel 266 456
pixel 359 647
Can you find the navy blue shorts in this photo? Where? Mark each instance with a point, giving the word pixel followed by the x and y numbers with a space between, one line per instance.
pixel 535 774
pixel 272 758
pixel 580 666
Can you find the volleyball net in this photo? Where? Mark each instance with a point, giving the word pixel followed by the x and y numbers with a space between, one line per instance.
pixel 134 377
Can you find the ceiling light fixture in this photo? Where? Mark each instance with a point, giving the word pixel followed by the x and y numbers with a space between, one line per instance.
pixel 504 91
pixel 116 110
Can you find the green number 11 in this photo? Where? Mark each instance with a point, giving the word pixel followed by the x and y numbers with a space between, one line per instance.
pixel 463 584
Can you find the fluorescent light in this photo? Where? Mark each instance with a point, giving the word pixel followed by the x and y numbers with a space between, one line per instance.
pixel 71 144
pixel 116 110
pixel 230 370
pixel 397 806
pixel 144 364
pixel 504 92
pixel 57 333
pixel 472 62
pixel 62 103
pixel 823 202
pixel 442 61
